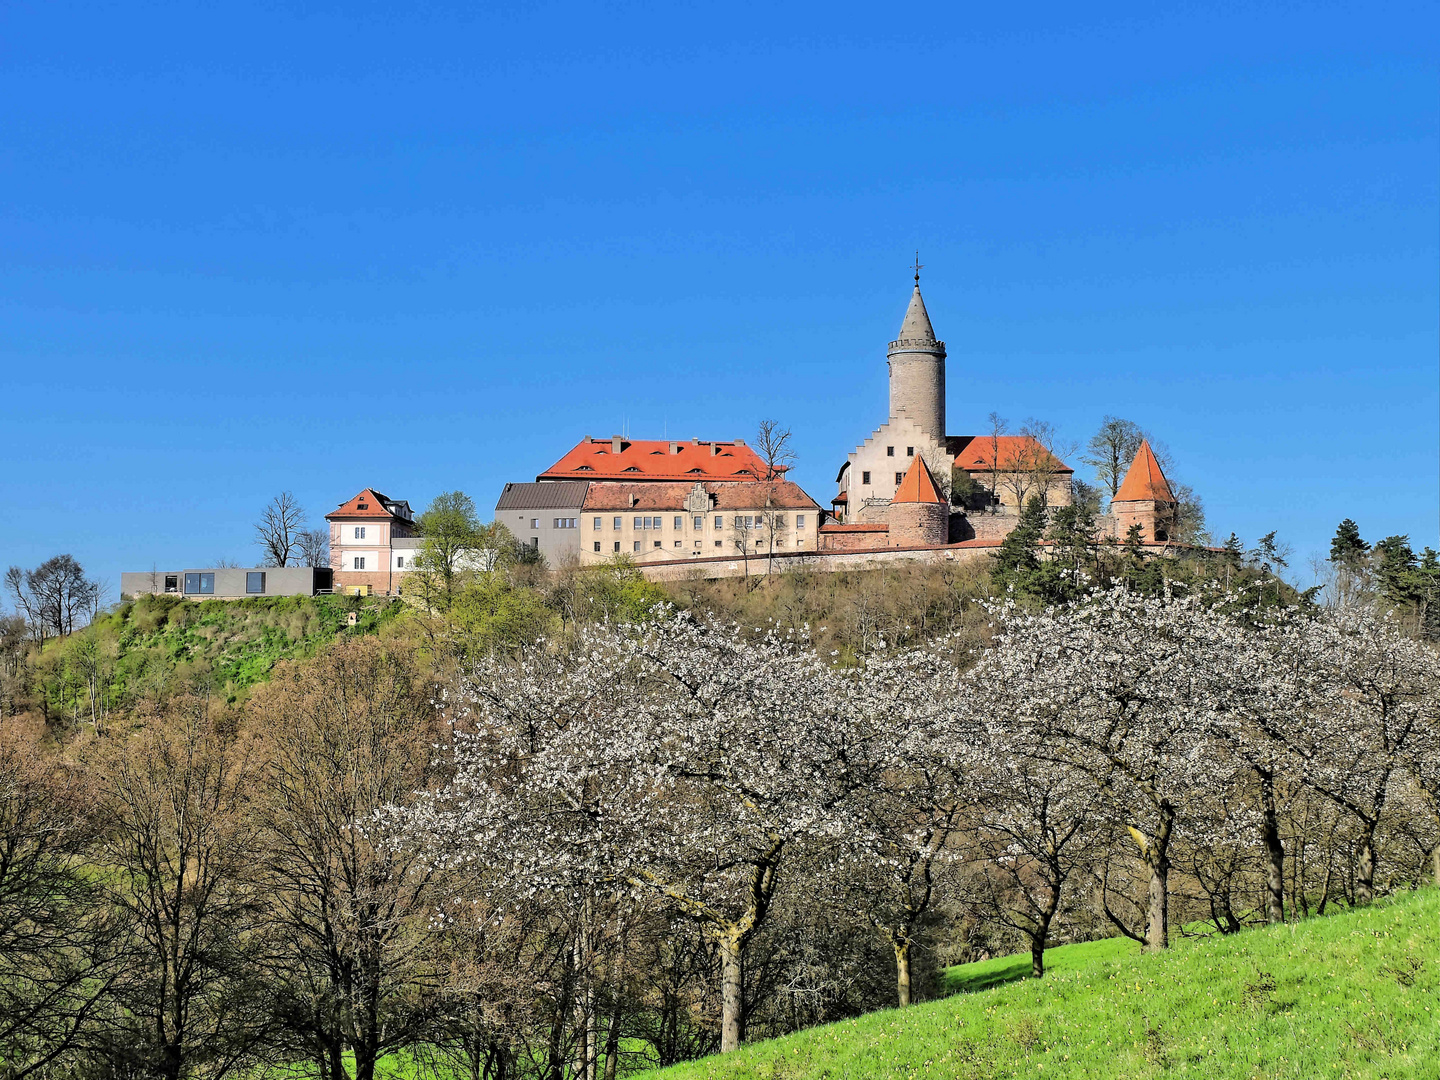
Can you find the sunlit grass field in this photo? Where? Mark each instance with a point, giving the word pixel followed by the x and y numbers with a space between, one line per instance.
pixel 1354 994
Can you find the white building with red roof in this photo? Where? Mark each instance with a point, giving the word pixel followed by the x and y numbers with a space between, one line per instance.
pixel 373 542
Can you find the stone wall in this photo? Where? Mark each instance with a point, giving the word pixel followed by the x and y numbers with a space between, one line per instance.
pixel 919 524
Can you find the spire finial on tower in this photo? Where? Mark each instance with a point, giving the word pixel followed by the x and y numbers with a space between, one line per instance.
pixel 917 268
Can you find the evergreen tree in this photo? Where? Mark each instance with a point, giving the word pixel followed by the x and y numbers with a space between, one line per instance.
pixel 1348 550
pixel 1017 563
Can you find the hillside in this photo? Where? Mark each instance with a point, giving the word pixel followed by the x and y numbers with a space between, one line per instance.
pixel 228 644
pixel 1355 995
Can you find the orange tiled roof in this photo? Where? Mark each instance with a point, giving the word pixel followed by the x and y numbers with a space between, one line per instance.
pixel 1014 452
pixel 657 459
pixel 671 496
pixel 1145 480
pixel 918 485
pixel 368 504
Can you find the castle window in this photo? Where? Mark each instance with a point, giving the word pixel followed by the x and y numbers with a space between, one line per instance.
pixel 679 522
pixel 359 532
pixel 719 523
pixel 638 524
pixel 597 545
pixel 657 543
pixel 909 451
pixel 697 543
pixel 617 546
pixel 637 545
pixel 799 521
pixel 864 478
pixel 359 563
pixel 617 525
pixel 899 478
pixel 779 521
pixel 889 451
pixel 255 581
pixel 534 523
pixel 399 562
pixel 699 521
pixel 677 543
pixel 717 543
pixel 597 528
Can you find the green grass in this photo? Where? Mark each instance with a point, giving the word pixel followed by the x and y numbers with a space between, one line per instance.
pixel 229 645
pixel 1355 994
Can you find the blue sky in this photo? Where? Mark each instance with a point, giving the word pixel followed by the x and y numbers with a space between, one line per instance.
pixel 430 246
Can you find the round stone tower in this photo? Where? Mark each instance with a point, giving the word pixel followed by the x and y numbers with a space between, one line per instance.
pixel 917 370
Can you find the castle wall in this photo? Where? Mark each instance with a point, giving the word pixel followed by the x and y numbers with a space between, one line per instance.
pixel 914 524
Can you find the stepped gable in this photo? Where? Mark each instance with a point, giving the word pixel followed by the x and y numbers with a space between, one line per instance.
pixel 1145 480
pixel 918 485
pixel 658 459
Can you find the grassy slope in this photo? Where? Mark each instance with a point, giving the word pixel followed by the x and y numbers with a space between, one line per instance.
pixel 1351 995
pixel 234 644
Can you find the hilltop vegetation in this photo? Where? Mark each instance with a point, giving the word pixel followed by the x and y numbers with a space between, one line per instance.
pixel 1354 995
pixel 657 831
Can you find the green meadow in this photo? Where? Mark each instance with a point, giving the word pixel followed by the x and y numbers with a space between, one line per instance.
pixel 1355 994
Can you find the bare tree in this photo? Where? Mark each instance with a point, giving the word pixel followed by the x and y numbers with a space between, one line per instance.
pixel 314 545
pixel 279 529
pixel 999 426
pixel 54 597
pixel 1111 450
pixel 175 863
pixel 773 444
pixel 1034 463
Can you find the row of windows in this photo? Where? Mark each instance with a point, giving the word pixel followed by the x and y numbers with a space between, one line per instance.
pixel 637 545
pixel 748 521
pixel 204 584
pixel 890 451
pixel 899 477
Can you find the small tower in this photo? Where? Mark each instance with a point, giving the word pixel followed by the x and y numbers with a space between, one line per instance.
pixel 917 369
pixel 918 515
pixel 1144 499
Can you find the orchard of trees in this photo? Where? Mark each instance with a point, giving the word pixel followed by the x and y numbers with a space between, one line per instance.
pixel 646 840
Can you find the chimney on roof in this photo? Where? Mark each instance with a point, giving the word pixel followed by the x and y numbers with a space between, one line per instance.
pixel 633 500
pixel 714 449
pixel 616 443
pixel 674 448
pixel 739 442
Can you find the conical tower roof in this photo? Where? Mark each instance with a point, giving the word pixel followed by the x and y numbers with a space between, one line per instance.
pixel 918 485
pixel 1145 480
pixel 916 326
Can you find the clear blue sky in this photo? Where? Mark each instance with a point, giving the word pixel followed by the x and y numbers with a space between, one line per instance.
pixel 430 246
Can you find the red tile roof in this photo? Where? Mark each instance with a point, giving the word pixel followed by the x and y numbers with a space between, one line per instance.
pixel 670 496
pixel 368 504
pixel 918 485
pixel 1145 480
pixel 1016 453
pixel 657 459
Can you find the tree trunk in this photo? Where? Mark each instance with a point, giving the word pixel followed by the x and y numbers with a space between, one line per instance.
pixel 612 1038
pixel 1274 851
pixel 1157 928
pixel 732 988
pixel 1365 871
pixel 902 972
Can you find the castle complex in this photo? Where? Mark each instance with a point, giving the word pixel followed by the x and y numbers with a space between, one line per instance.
pixel 908 491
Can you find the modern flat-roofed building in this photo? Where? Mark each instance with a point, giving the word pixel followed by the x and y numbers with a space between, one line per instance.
pixel 229 583
pixel 545 516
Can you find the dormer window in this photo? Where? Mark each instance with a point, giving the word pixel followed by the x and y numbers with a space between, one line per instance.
pixel 363 506
pixel 632 468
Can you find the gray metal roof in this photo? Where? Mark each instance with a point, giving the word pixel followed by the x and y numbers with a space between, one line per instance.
pixel 546 495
